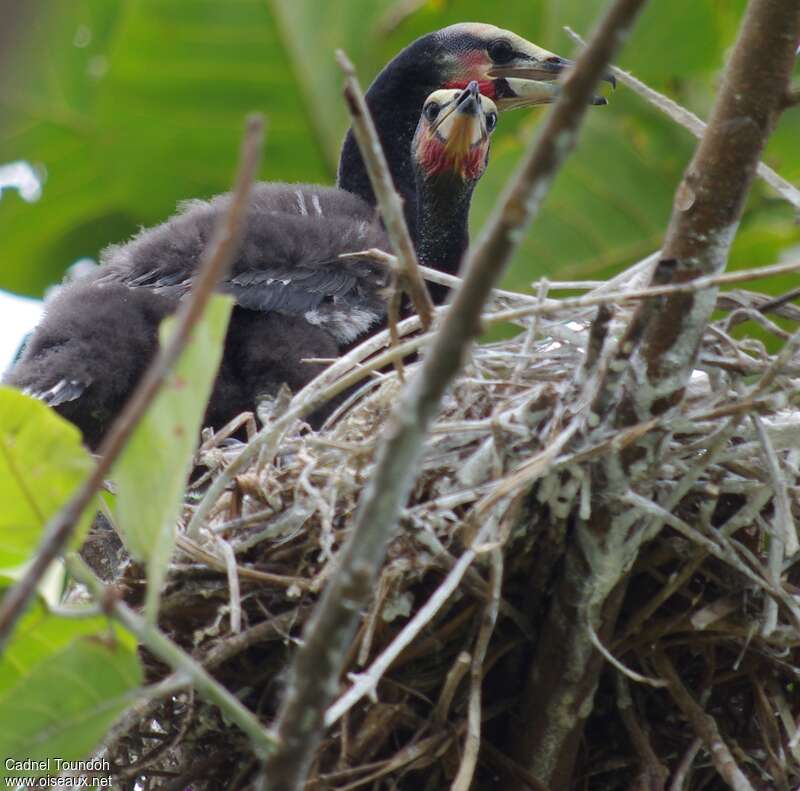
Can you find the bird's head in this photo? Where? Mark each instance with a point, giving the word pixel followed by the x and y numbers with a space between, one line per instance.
pixel 452 136
pixel 509 69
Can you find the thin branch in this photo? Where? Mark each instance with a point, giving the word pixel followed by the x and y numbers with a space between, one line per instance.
pixel 688 120
pixel 366 682
pixel 624 671
pixel 389 202
pixel 318 662
pixel 551 306
pixel 215 262
pixel 469 759
pixel 654 773
pixel 681 775
pixel 174 656
pixel 703 725
pixel 721 549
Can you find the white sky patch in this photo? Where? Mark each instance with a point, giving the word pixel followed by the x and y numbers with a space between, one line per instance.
pixel 19 316
pixel 22 177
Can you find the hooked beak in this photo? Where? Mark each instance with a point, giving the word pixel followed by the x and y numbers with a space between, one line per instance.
pixel 462 126
pixel 528 81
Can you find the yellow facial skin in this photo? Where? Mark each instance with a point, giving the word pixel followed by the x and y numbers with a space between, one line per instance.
pixel 453 134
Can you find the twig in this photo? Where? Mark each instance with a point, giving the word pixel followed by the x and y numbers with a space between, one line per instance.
pixel 367 681
pixel 681 775
pixel 175 657
pixel 704 726
pixel 551 306
pixel 721 550
pixel 388 200
pixel 654 773
pixel 451 682
pixel 233 584
pixel 695 125
pixel 783 531
pixel 624 671
pixel 215 261
pixel 541 306
pixel 469 759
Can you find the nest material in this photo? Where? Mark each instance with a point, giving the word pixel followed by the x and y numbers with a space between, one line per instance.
pixel 694 595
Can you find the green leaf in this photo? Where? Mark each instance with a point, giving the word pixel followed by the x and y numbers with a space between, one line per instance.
pixel 62 706
pixel 152 472
pixel 40 635
pixel 42 461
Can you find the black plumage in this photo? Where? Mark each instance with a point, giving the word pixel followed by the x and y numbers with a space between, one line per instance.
pixel 510 70
pixel 288 259
pixel 72 360
pixel 296 297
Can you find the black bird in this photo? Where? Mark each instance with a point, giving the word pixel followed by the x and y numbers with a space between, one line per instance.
pixel 296 297
pixel 509 69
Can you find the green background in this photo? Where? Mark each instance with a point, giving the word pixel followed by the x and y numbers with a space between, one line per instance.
pixel 128 106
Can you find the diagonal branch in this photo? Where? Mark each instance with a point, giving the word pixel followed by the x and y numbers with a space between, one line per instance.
pixel 708 206
pixel 174 656
pixel 389 202
pixel 688 120
pixel 703 725
pixel 318 663
pixel 215 262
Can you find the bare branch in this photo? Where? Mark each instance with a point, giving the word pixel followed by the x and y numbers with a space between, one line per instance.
pixel 215 262
pixel 688 120
pixel 708 206
pixel 319 660
pixel 469 759
pixel 703 725
pixel 175 657
pixel 389 202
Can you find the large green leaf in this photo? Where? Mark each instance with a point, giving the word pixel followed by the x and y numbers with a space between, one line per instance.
pixel 61 706
pixel 41 463
pixel 152 471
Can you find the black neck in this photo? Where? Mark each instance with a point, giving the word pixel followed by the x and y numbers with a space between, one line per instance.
pixel 395 100
pixel 442 225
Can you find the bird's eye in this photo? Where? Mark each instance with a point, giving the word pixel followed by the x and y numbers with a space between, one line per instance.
pixel 432 111
pixel 491 121
pixel 500 51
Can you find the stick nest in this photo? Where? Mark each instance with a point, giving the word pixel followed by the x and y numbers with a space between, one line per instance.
pixel 714 594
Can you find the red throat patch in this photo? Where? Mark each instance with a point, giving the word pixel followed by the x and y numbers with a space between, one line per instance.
pixel 435 159
pixel 486 87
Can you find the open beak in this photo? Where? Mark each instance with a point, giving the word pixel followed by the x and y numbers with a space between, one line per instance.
pixel 528 81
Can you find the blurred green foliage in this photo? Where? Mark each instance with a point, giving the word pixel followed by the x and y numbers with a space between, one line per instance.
pixel 129 107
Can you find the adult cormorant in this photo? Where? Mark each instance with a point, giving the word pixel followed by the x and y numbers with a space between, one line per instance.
pixel 509 69
pixel 295 297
